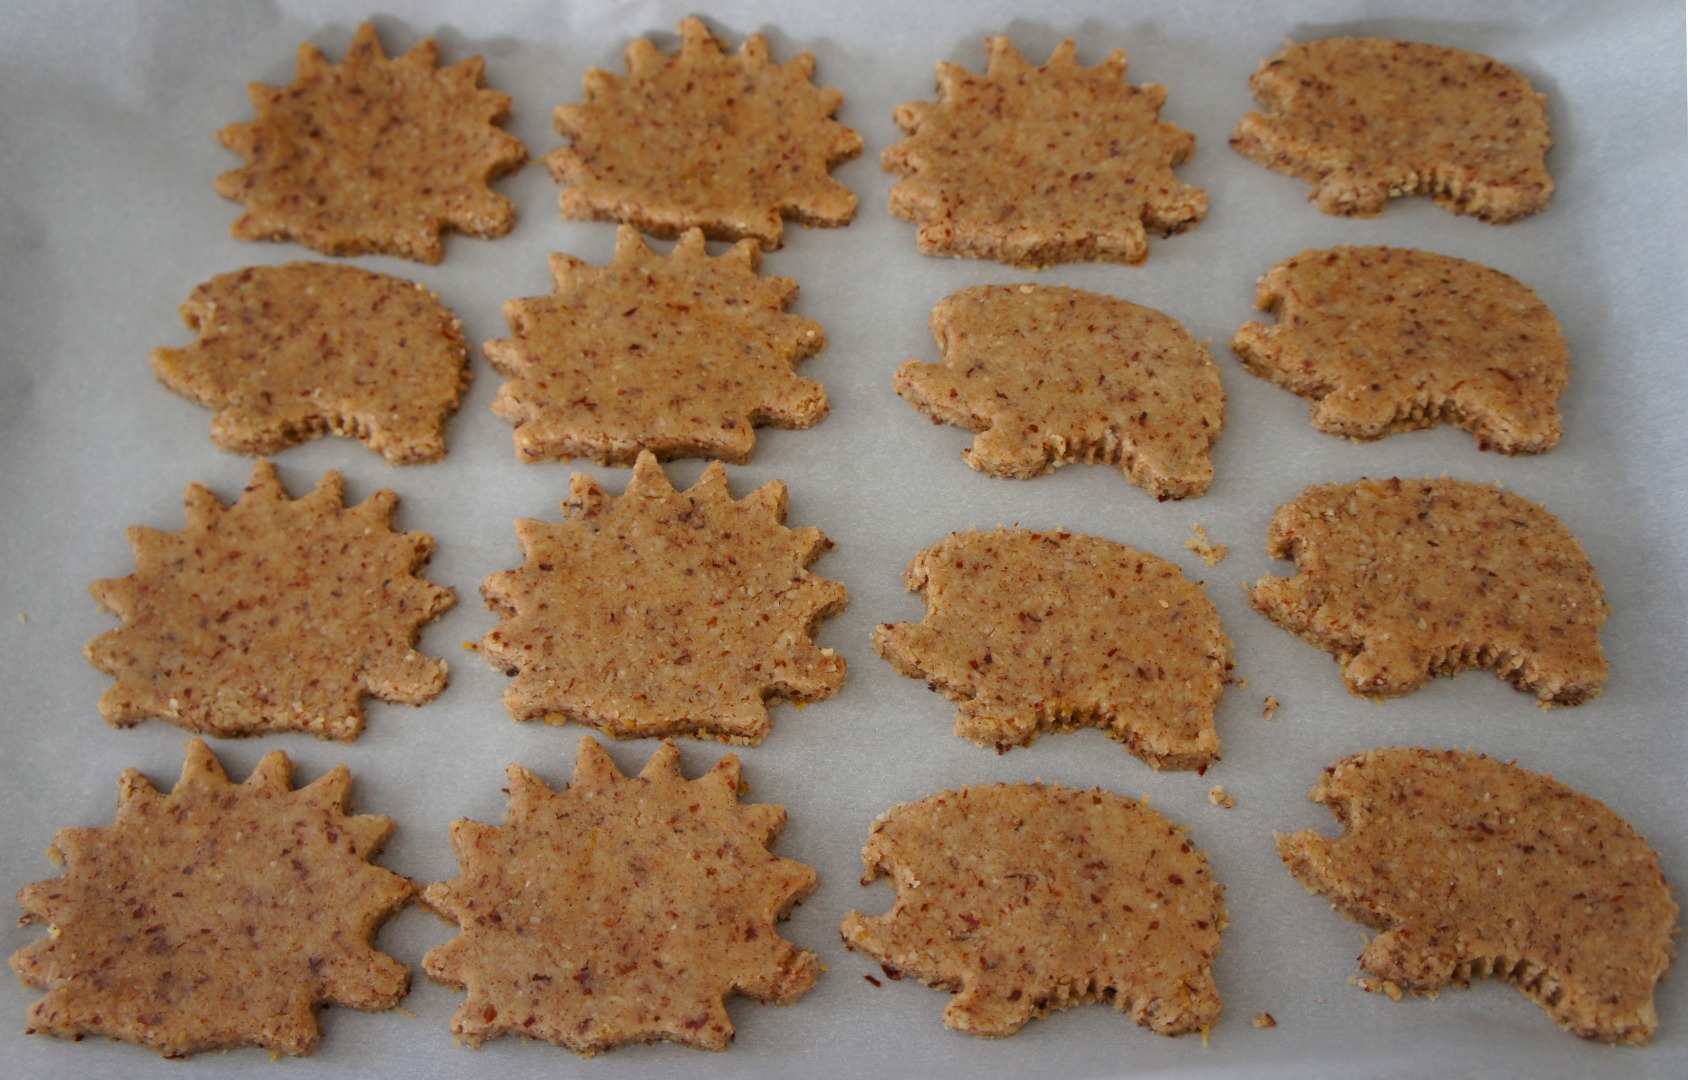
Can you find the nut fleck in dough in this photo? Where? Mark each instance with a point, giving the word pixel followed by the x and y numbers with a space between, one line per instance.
pixel 1050 375
pixel 1366 119
pixel 373 155
pixel 1391 339
pixel 1405 579
pixel 1034 631
pixel 620 910
pixel 1037 166
pixel 286 353
pixel 217 916
pixel 729 144
pixel 679 354
pixel 664 612
pixel 273 614
pixel 1472 867
pixel 1021 899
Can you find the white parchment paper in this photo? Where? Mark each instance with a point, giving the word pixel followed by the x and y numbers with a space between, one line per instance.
pixel 108 219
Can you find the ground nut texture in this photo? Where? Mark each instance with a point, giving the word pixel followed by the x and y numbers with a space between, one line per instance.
pixel 274 614
pixel 1034 631
pixel 1050 375
pixel 1366 119
pixel 1472 867
pixel 215 917
pixel 1383 340
pixel 732 145
pixel 1405 579
pixel 287 353
pixel 1021 899
pixel 1037 166
pixel 373 156
pixel 678 354
pixel 664 612
pixel 620 910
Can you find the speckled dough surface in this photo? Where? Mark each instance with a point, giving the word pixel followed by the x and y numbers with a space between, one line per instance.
pixel 215 917
pixel 1472 867
pixel 664 612
pixel 1366 119
pixel 373 155
pixel 679 354
pixel 1033 631
pixel 1050 375
pixel 1037 166
pixel 1405 579
pixel 620 910
pixel 1391 339
pixel 274 614
pixel 1025 898
pixel 699 139
pixel 287 353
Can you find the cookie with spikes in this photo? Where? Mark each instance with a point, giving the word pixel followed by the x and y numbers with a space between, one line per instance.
pixel 1050 375
pixel 373 155
pixel 218 916
pixel 1385 339
pixel 1367 119
pixel 1021 899
pixel 1037 166
pixel 1470 867
pixel 620 909
pixel 664 612
pixel 732 145
pixel 1035 631
pixel 682 355
pixel 1401 580
pixel 273 614
pixel 287 353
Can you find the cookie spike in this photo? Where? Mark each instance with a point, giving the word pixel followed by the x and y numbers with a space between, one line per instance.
pixel 265 485
pixel 1005 60
pixel 425 54
pixel 586 498
pixel 366 44
pixel 691 246
pixel 664 764
pixel 528 793
pixel 200 769
pixel 1065 57
pixel 712 485
pixel 644 59
pixel 765 821
pixel 363 835
pixel 697 38
pixel 593 766
pixel 596 83
pixel 273 773
pixel 771 500
pixel 651 482
pixel 952 79
pixel 309 63
pixel 755 53
pixel 726 778
pixel 365 979
pixel 630 248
